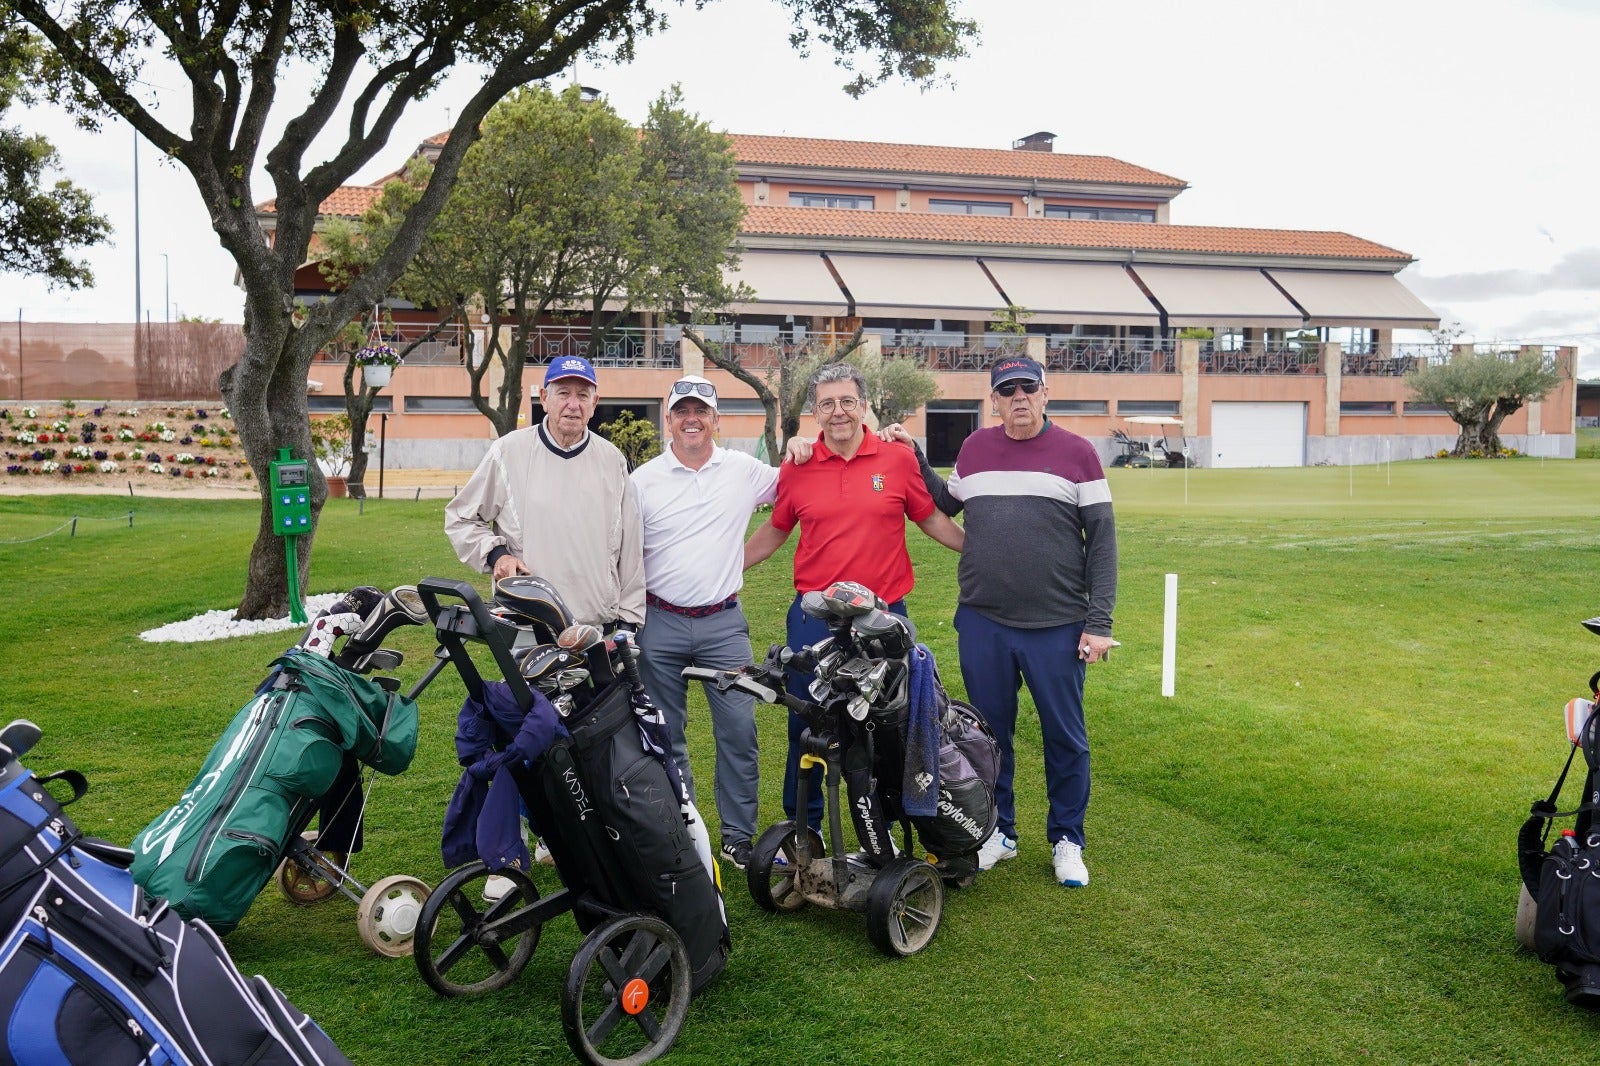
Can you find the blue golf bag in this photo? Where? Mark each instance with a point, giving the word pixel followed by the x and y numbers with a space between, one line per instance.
pixel 95 973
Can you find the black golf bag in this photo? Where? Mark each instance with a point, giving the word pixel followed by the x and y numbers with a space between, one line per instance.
pixel 606 805
pixel 1565 880
pixel 95 973
pixel 925 757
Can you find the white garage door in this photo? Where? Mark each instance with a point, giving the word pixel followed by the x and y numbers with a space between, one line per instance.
pixel 1258 434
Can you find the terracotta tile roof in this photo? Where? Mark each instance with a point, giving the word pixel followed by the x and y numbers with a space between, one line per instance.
pixel 1060 232
pixel 347 201
pixel 930 159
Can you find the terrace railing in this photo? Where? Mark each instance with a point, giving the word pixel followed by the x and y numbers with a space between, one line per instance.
pixel 1260 359
pixel 1137 355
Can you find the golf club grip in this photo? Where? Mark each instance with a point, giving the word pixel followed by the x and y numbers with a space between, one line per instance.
pixel 630 664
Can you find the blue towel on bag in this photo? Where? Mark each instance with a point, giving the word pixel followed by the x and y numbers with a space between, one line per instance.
pixel 482 819
pixel 920 788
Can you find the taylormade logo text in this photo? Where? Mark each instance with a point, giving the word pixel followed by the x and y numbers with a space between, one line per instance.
pixel 864 808
pixel 948 808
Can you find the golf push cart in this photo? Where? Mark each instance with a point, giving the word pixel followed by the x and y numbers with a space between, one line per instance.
pixel 298 749
pixel 856 729
pixel 636 867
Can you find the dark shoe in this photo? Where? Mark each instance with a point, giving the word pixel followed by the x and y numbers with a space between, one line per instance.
pixel 738 854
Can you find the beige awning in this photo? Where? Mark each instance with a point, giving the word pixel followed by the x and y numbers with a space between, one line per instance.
pixel 1090 294
pixel 905 286
pixel 788 283
pixel 1218 296
pixel 1374 300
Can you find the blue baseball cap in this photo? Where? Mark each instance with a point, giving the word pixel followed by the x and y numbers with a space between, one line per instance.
pixel 570 366
pixel 1015 368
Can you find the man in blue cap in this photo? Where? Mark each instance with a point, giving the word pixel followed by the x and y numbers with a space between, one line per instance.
pixel 554 500
pixel 1038 582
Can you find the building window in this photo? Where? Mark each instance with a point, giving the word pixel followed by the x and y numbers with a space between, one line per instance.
pixel 734 406
pixel 1417 408
pixel 334 405
pixel 1101 214
pixel 1077 407
pixel 1148 407
pixel 1366 407
pixel 968 207
pixel 440 405
pixel 828 199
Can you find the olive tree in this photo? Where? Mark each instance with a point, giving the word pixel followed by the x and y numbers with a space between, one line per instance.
pixel 1478 390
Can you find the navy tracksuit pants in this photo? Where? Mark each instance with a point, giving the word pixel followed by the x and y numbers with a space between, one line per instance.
pixel 995 661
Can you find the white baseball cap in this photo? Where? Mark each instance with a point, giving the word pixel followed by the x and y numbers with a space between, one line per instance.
pixel 692 386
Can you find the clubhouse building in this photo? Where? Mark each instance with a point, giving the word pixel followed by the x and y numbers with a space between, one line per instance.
pixel 1262 347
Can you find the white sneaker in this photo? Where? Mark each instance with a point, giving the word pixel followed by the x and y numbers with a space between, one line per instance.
pixel 541 854
pixel 1070 870
pixel 997 847
pixel 496 888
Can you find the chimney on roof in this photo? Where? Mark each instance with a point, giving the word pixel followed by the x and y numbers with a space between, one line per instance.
pixel 1036 142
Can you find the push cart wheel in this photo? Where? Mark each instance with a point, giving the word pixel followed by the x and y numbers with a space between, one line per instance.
pixel 774 865
pixel 389 913
pixel 903 907
pixel 458 952
pixel 627 992
pixel 304 886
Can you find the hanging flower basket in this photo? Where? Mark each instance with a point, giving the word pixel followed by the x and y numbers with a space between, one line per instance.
pixel 377 362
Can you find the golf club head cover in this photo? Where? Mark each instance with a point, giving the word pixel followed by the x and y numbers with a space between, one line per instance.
pixel 360 600
pixel 326 629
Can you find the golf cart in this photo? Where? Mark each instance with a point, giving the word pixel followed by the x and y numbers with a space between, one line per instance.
pixel 1154 454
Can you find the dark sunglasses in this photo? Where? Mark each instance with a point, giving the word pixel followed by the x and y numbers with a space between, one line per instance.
pixel 684 388
pixel 1010 388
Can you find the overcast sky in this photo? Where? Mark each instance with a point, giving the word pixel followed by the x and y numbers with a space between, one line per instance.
pixel 1459 131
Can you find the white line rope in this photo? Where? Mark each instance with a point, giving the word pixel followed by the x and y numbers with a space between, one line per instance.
pixel 72 524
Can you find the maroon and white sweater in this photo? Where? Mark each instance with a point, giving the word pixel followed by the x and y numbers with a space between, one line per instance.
pixel 1041 546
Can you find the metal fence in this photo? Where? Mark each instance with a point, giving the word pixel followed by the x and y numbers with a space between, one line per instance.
pixel 1260 358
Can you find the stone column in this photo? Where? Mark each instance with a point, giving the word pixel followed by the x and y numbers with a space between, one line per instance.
pixel 872 349
pixel 1333 386
pixel 1034 347
pixel 691 360
pixel 1189 368
pixel 1536 408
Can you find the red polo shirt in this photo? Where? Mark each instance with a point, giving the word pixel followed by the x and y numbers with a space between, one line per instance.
pixel 852 515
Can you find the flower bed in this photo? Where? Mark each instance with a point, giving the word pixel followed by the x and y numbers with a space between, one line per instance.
pixel 111 444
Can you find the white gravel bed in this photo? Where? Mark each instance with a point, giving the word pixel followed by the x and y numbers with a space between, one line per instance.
pixel 219 625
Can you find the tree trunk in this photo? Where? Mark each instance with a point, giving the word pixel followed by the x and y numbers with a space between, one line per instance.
pixel 1480 431
pixel 270 412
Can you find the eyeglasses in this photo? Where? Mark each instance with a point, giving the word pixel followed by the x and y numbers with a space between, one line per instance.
pixel 703 388
pixel 1010 388
pixel 844 403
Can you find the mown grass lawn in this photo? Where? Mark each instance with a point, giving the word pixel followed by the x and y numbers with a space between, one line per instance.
pixel 1307 855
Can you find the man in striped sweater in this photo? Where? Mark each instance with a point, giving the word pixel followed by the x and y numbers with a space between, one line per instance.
pixel 1038 582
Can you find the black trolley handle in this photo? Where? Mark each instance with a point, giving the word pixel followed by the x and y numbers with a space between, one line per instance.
pixel 469 619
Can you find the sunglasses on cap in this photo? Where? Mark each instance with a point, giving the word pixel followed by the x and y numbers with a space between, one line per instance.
pixel 703 388
pixel 1010 388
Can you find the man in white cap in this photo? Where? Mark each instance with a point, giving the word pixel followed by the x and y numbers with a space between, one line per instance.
pixel 695 499
pixel 554 500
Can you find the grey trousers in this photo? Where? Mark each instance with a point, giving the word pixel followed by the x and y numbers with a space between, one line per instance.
pixel 721 641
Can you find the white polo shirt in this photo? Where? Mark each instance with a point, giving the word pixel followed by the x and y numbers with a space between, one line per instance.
pixel 695 523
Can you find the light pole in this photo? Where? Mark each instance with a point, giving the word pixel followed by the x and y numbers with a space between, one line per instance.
pixel 166 277
pixel 138 296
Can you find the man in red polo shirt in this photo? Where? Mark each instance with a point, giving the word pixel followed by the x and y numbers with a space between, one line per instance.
pixel 851 502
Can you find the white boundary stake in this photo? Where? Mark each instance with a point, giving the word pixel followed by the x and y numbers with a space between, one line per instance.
pixel 1169 639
